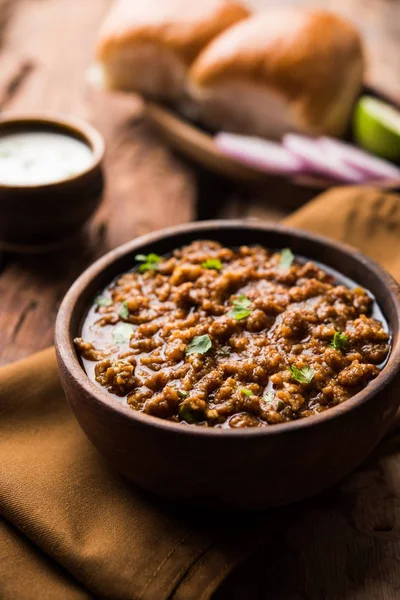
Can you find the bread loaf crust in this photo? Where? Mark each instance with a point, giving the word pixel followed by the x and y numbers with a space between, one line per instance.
pixel 184 26
pixel 312 58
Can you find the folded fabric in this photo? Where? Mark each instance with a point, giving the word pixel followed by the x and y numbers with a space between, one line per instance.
pixel 58 493
pixel 73 529
pixel 364 217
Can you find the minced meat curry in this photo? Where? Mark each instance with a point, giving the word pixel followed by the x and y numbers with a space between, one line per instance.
pixel 224 337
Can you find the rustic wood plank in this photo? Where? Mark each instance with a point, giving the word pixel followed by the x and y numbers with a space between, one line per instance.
pixel 147 187
pixel 46 48
pixel 342 545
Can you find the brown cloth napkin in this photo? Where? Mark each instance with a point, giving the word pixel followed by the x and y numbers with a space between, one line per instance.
pixel 72 529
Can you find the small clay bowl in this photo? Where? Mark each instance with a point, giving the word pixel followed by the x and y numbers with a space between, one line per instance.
pixel 44 216
pixel 242 468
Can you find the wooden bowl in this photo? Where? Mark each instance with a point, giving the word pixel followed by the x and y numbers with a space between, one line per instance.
pixel 196 144
pixel 243 468
pixel 42 217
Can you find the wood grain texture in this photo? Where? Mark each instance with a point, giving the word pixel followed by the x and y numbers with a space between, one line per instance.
pixel 344 545
pixel 47 48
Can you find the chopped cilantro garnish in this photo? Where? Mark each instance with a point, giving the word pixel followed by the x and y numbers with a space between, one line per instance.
pixel 122 333
pixel 124 312
pixel 241 308
pixel 246 392
pixel 212 263
pixel 242 301
pixel 103 301
pixel 200 344
pixel 304 375
pixel 183 393
pixel 268 396
pixel 339 341
pixel 190 415
pixel 287 257
pixel 149 261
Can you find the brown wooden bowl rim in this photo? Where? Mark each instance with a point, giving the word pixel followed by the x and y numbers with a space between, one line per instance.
pixel 57 121
pixel 68 357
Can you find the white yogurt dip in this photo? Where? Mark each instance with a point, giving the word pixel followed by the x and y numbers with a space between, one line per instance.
pixel 39 157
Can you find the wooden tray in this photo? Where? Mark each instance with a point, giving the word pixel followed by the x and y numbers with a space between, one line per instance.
pixel 198 145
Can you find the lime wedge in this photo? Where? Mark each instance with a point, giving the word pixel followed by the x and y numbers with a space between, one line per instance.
pixel 376 127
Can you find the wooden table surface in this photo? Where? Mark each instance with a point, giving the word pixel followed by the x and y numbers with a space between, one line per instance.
pixel 344 546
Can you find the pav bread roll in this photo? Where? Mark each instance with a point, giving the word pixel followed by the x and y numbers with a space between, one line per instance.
pixel 284 69
pixel 148 45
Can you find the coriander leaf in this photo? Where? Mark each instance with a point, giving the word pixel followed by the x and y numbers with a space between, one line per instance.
pixel 339 341
pixel 212 263
pixel 190 415
pixel 122 333
pixel 304 375
pixel 242 302
pixel 103 301
pixel 153 258
pixel 267 401
pixel 268 396
pixel 183 393
pixel 246 392
pixel 124 312
pixel 241 308
pixel 280 405
pixel 149 261
pixel 148 257
pixel 287 257
pixel 239 314
pixel 200 344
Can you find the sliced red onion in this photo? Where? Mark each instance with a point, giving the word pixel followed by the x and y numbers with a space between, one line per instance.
pixel 318 159
pixel 368 164
pixel 266 156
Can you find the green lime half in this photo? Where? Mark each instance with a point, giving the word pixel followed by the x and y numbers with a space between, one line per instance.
pixel 376 127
